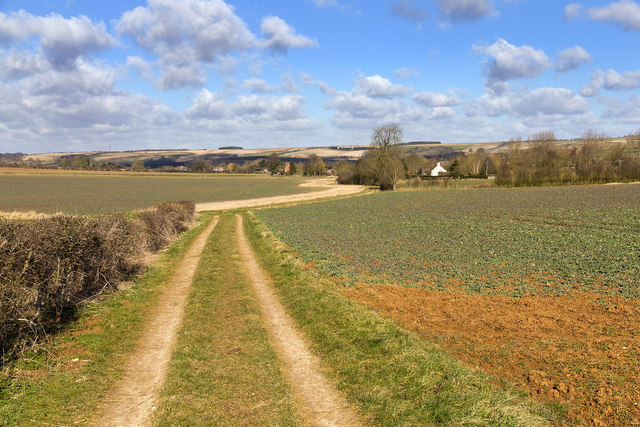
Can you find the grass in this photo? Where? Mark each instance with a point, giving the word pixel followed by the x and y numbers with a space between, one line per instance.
pixel 224 370
pixel 64 382
pixel 85 192
pixel 392 375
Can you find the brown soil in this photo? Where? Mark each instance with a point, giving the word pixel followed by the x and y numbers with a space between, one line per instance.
pixel 131 400
pixel 320 404
pixel 332 190
pixel 582 350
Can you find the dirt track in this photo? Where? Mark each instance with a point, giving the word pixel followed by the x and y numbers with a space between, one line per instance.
pixel 131 400
pixel 320 404
pixel 328 185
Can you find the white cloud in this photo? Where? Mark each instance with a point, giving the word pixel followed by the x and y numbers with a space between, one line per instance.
pixel 308 80
pixel 62 40
pixel 435 99
pixel 465 10
pixel 512 62
pixel 410 10
pixel 572 10
pixel 52 104
pixel 185 33
pixel 592 89
pixel 406 73
pixel 611 80
pixel 378 87
pixel 281 37
pixel 258 85
pixel 627 112
pixel 257 112
pixel 571 58
pixel 625 81
pixel 326 3
pixel 623 13
pixel 549 101
pixel 545 101
pixel 144 68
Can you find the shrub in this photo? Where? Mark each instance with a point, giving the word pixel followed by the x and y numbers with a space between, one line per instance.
pixel 49 266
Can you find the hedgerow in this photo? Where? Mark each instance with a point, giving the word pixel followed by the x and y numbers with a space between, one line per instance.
pixel 49 266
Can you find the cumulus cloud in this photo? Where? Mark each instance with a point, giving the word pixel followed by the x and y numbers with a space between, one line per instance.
pixel 261 112
pixel 572 10
pixel 627 112
pixel 62 40
pixel 623 13
pixel 545 101
pixel 625 81
pixel 571 58
pixel 592 89
pixel 326 3
pixel 308 80
pixel 465 10
pixel 258 85
pixel 611 80
pixel 49 100
pixel 406 73
pixel 435 99
pixel 410 10
pixel 281 37
pixel 378 87
pixel 183 34
pixel 511 62
pixel 550 101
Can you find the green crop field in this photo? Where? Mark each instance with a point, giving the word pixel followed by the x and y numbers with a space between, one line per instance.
pixel 516 241
pixel 98 193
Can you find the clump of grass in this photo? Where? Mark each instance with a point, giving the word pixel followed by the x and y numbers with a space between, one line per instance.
pixel 224 370
pixel 395 377
pixel 48 266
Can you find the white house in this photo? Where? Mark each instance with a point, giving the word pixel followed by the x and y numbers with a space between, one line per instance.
pixel 438 170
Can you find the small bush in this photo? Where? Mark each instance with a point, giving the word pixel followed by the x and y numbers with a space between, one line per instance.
pixel 50 265
pixel 348 178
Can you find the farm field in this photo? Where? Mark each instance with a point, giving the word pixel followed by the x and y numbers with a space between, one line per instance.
pixel 536 285
pixel 98 192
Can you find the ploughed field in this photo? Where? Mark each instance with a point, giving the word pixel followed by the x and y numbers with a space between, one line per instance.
pixel 85 192
pixel 540 286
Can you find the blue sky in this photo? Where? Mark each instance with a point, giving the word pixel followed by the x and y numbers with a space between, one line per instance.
pixel 78 75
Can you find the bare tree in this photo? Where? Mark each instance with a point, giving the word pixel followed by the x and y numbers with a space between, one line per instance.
pixel 390 170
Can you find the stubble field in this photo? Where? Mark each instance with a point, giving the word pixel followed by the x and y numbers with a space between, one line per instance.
pixel 536 285
pixel 81 192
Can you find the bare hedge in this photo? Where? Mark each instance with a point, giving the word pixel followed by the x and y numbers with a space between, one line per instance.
pixel 50 265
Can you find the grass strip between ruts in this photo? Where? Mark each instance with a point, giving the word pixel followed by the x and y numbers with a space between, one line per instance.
pixel 395 377
pixel 224 370
pixel 64 382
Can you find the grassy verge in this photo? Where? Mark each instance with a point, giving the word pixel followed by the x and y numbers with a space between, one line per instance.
pixel 392 375
pixel 64 381
pixel 224 371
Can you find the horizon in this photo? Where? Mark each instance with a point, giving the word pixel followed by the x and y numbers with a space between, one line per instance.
pixel 80 76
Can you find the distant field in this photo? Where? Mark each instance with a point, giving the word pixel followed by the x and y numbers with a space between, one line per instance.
pixel 97 193
pixel 540 286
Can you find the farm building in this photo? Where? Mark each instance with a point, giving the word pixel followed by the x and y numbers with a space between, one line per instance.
pixel 438 170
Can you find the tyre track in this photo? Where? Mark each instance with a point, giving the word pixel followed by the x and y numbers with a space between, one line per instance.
pixel 319 402
pixel 131 400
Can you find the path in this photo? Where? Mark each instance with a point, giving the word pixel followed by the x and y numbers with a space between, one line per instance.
pixel 331 189
pixel 320 403
pixel 131 400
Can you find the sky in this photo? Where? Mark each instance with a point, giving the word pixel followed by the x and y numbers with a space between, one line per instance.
pixel 86 75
